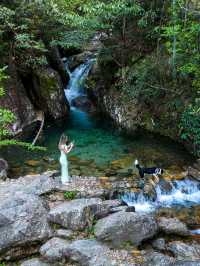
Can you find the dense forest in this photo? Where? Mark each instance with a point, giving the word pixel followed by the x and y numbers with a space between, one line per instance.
pixel 99 132
pixel 150 50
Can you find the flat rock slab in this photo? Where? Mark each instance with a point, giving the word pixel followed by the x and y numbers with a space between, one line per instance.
pixel 126 226
pixel 172 226
pixel 75 214
pixel 23 220
pixel 30 184
pixel 184 251
pixel 85 187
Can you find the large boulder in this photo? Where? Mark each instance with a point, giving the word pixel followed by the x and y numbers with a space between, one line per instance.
pixel 23 220
pixel 3 169
pixel 157 259
pixel 31 184
pixel 126 226
pixel 48 93
pixel 82 251
pixel 183 251
pixel 54 250
pixel 76 214
pixel 83 103
pixel 93 253
pixel 172 226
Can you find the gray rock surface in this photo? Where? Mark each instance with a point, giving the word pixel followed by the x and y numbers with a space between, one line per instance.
pixel 3 169
pixel 23 220
pixel 83 251
pixel 186 263
pixel 108 206
pixel 172 226
pixel 32 184
pixel 157 259
pixel 159 244
pixel 63 233
pixel 54 250
pixel 183 251
pixel 75 214
pixel 126 226
pixel 34 262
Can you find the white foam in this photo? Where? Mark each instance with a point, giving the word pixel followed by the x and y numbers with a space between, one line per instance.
pixel 183 193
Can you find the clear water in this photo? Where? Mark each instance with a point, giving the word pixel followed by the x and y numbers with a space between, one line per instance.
pixel 99 149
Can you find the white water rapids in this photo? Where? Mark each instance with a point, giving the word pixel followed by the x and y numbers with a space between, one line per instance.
pixel 182 193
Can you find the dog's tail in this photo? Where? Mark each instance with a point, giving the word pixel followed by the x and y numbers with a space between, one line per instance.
pixel 137 164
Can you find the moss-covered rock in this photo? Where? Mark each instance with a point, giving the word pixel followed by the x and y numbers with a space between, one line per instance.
pixel 49 93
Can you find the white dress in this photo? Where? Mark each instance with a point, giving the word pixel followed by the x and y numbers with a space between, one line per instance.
pixel 64 168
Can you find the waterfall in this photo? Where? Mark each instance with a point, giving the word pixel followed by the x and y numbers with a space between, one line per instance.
pixel 182 193
pixel 75 87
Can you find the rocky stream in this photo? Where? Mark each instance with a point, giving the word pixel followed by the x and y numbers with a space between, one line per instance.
pixel 107 215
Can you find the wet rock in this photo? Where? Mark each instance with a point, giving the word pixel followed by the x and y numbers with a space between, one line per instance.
pixel 78 59
pixel 149 191
pixel 172 226
pixel 130 209
pixel 23 220
pixel 165 186
pixel 126 226
pixel 54 250
pixel 159 244
pixel 194 173
pixel 3 169
pixel 34 262
pixel 119 209
pixel 83 103
pixel 154 258
pixel 76 214
pixel 197 164
pixel 62 233
pixel 183 251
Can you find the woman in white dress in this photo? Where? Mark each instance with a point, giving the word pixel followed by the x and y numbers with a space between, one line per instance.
pixel 64 150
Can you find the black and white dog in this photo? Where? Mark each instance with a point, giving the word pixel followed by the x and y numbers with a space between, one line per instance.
pixel 155 171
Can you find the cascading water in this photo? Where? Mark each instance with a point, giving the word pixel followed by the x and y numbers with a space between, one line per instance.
pixel 182 193
pixel 74 90
pixel 75 87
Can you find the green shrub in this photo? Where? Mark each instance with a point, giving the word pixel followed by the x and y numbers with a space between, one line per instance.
pixel 70 195
pixel 190 127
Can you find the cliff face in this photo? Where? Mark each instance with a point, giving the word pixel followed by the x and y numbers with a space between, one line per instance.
pixel 134 111
pixel 35 90
pixel 17 101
